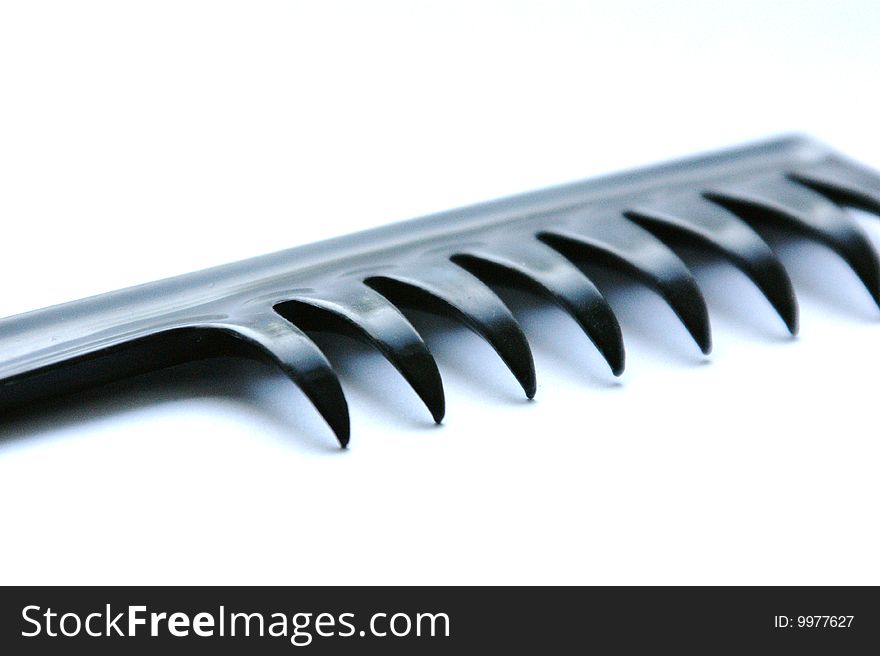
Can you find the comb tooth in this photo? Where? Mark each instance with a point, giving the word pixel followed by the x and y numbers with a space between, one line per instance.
pixel 543 269
pixel 287 347
pixel 691 216
pixel 448 289
pixel 614 241
pixel 843 182
pixel 362 313
pixel 775 198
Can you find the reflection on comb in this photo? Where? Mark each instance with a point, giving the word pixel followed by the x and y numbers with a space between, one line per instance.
pixel 265 307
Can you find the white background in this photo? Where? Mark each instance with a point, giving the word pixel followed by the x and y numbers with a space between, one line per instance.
pixel 140 140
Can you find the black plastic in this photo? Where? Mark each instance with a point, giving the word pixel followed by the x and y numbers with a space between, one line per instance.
pixel 264 306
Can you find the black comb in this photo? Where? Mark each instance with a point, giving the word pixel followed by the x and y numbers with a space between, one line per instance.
pixel 265 306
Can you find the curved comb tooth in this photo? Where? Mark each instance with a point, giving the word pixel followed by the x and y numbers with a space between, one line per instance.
pixel 775 198
pixel 287 347
pixel 614 241
pixel 843 182
pixel 541 268
pixel 362 313
pixel 692 216
pixel 449 289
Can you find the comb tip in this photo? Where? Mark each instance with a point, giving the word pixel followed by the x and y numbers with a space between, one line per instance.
pixel 438 410
pixel 874 289
pixel 615 357
pixel 867 269
pixel 704 341
pixel 528 380
pixel 524 372
pixel 609 341
pixel 338 420
pixel 782 297
pixel 694 314
pixel 791 318
pixel 429 386
pixel 696 322
pixel 863 259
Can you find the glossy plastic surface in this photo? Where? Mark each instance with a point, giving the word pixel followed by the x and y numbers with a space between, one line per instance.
pixel 265 307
